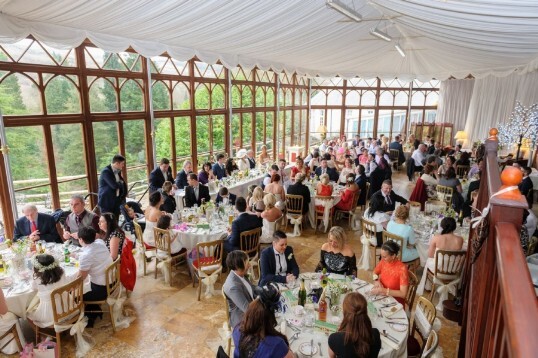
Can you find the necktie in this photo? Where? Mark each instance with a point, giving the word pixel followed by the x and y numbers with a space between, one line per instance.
pixel 33 226
pixel 77 220
pixel 279 263
pixel 388 200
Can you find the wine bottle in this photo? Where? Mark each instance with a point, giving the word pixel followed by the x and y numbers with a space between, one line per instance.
pixel 2 265
pixel 322 307
pixel 324 277
pixel 302 294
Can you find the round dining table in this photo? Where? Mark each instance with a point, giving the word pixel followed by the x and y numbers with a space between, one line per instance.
pixel 327 205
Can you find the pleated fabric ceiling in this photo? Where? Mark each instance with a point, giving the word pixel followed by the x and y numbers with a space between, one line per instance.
pixel 439 38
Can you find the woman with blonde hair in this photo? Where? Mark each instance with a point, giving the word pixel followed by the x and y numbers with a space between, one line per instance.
pixel 271 212
pixel 346 202
pixel 355 337
pixel 399 227
pixel 275 188
pixel 336 255
pixel 324 188
pixel 264 157
pixel 255 203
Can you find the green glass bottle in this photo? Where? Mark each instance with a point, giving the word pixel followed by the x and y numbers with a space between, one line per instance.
pixel 302 294
pixel 66 255
pixel 324 277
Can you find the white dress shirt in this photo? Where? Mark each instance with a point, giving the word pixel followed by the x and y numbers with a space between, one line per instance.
pixel 281 264
pixel 95 258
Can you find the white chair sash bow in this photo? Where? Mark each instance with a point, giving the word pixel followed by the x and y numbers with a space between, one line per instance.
pixel 443 289
pixel 364 261
pixel 115 303
pixel 164 266
pixel 84 341
pixel 209 280
pixel 296 221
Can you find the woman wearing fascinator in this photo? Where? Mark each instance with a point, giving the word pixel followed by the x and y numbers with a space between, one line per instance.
pixel 257 336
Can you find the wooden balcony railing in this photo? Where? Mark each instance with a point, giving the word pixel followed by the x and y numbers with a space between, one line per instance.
pixel 500 311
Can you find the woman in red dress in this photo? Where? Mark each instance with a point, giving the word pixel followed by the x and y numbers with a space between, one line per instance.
pixel 393 274
pixel 346 202
pixel 299 168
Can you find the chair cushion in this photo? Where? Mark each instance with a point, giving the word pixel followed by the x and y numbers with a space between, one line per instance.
pixel 202 260
pixel 148 247
pixel 413 347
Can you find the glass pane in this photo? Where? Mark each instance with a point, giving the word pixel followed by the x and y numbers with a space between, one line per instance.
pixel 201 96
pixel 386 98
pixel 29 168
pixel 297 127
pixel 19 95
pixel 163 142
pixel 334 98
pixel 418 99
pixel 236 96
pixel 333 122
pixel 202 134
pixel 260 97
pixel 368 99
pixel 383 122
pixel 160 96
pixel 135 152
pixel 269 127
pixel 219 133
pixel 105 141
pixel 287 128
pixel 270 98
pixel 70 161
pixel 103 96
pixel 236 127
pixel 352 98
pixel 432 99
pixel 181 96
pixel 247 96
pixel 351 123
pixel 62 96
pixel 367 123
pixel 183 137
pixel 247 130
pixel 259 128
pixel 401 98
pixel 218 97
pixel 131 97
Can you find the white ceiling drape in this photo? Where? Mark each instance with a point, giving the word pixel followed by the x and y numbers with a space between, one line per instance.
pixel 440 38
pixel 454 100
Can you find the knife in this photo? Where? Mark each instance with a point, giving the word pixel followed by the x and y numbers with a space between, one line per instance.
pixel 311 346
pixel 390 337
pixel 379 298
pixel 396 322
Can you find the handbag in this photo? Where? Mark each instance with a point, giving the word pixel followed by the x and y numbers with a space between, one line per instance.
pixel 45 349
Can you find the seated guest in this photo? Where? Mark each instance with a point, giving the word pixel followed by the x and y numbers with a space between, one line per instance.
pixel 94 259
pixel 346 201
pixel 277 263
pixel 257 336
pixel 276 188
pixel 271 212
pixel 393 274
pixel 159 175
pixel 467 204
pixel 416 162
pixel 456 151
pixel 449 163
pixel 267 178
pixel 219 170
pixel 79 217
pixel 363 158
pixel 152 214
pixel 298 188
pixel 451 181
pixel 324 169
pixel 324 188
pixel 36 226
pixel 238 291
pixel 132 212
pixel 336 255
pixel 377 215
pixel 231 166
pixel 7 320
pixel 464 159
pixel 526 186
pixel 370 165
pixel 299 167
pixel 264 157
pixel 242 161
pixel 113 236
pixel 205 174
pixel 431 146
pixel 389 197
pixel 398 146
pixel 399 227
pixel 243 222
pixel 255 203
pixel 381 153
pixel 475 168
pixel 355 336
pixel 347 169
pixel 181 179
pixel 361 181
pixel 165 223
pixel 225 197
pixel 48 276
pixel 169 202
pixel 195 193
pixel 430 181
pixel 381 173
pixel 315 162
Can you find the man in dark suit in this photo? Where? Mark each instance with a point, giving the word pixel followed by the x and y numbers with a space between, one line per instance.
pixel 431 147
pixel 323 168
pixel 218 168
pixel 195 192
pixel 181 179
pixel 251 159
pixel 389 197
pixel 278 262
pixel 298 188
pixel 243 222
pixel 398 146
pixel 112 187
pixel 36 226
pixel 159 175
pixel 526 186
pixel 224 196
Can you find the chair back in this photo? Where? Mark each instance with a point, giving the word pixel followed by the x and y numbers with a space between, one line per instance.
pixel 431 345
pixel 449 264
pixel 414 204
pixel 227 309
pixel 394 155
pixel 139 236
pixel 532 245
pixel 424 316
pixel 294 204
pixel 411 291
pixel 396 238
pixel 355 201
pixel 445 193
pixel 67 302
pixel 369 229
pixel 162 240
pixel 367 189
pixel 113 277
pixel 249 241
pixel 209 253
pixel 320 209
pixel 462 171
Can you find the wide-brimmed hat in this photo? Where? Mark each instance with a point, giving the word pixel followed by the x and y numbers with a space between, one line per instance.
pixel 241 153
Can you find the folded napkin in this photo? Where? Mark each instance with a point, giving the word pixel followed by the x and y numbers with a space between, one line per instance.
pixel 392 310
pixel 389 343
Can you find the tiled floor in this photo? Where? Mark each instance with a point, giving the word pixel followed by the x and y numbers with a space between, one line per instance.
pixel 170 322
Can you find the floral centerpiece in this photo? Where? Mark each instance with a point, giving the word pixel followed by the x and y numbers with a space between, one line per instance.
pixel 20 248
pixel 448 212
pixel 334 290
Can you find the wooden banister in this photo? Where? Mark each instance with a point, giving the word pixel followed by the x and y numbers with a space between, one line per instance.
pixel 499 304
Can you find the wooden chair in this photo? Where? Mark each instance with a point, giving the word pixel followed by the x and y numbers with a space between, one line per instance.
pixel 320 211
pixel 462 171
pixel 249 242
pixel 294 208
pixel 363 206
pixel 431 345
pixel 369 231
pixel 113 283
pixel 448 267
pixel 445 193
pixel 67 305
pixel 228 326
pixel 411 265
pixel 209 262
pixel 394 156
pixel 532 245
pixel 423 318
pixel 351 212
pixel 139 237
pixel 15 334
pixel 411 291
pixel 164 252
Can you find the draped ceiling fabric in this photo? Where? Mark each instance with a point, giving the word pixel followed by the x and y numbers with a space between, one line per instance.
pixel 441 38
pixel 454 100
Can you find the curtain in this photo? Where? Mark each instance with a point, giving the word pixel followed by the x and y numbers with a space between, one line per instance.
pixel 454 100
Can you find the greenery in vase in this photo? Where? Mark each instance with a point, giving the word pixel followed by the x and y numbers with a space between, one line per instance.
pixel 20 247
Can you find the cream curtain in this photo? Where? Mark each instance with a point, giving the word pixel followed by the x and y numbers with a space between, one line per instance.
pixel 454 100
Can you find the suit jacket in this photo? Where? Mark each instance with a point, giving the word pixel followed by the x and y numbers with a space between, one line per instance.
pixel 218 171
pixel 108 201
pixel 525 186
pixel 393 198
pixel 333 174
pixel 157 179
pixel 251 162
pixel 398 146
pixel 268 266
pixel 190 198
pixel 45 224
pixel 231 198
pixel 238 297
pixel 181 179
pixel 243 222
pixel 301 189
pixel 169 204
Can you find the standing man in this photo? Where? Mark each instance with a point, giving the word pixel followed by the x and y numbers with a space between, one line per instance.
pixel 284 180
pixel 416 162
pixel 36 226
pixel 112 187
pixel 79 218
pixel 159 175
pixel 194 193
pixel 218 168
pixel 251 159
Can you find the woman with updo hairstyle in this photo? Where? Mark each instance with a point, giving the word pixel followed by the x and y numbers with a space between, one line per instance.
pixel 346 202
pixel 398 226
pixel 392 274
pixel 257 335
pixel 355 336
pixel 271 212
pixel 152 214
pixel 169 202
pixel 48 276
pixel 276 188
pixel 255 203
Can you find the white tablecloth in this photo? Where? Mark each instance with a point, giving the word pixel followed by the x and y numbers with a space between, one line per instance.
pixel 309 333
pixel 189 239
pixel 327 204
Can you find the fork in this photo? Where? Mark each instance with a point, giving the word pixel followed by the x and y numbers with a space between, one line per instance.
pixel 320 351
pixel 294 337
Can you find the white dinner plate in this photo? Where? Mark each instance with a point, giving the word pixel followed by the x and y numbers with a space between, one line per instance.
pixel 398 327
pixel 308 349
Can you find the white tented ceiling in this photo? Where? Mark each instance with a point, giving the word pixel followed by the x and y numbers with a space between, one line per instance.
pixel 440 38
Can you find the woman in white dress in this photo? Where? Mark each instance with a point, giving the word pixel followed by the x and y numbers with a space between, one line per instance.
pixel 152 214
pixel 165 223
pixel 48 276
pixel 348 169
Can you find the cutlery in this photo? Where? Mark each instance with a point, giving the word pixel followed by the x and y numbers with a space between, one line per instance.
pixel 320 351
pixel 396 322
pixel 292 327
pixel 379 298
pixel 9 290
pixel 390 337
pixel 311 346
pixel 294 337
pixel 397 318
pixel 389 305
